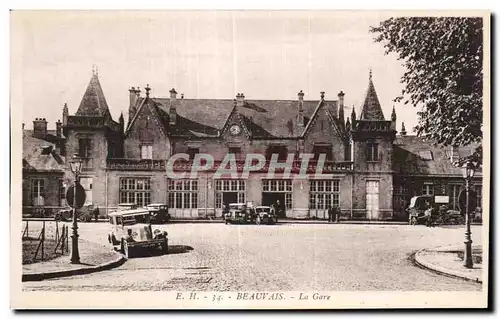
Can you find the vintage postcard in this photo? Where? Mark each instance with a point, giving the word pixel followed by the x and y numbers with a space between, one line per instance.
pixel 250 159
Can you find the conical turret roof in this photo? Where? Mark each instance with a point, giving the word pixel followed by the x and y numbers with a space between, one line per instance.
pixel 371 106
pixel 93 102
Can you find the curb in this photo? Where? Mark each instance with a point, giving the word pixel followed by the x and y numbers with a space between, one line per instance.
pixel 419 260
pixel 73 272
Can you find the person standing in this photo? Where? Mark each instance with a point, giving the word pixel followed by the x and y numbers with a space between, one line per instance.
pixel 96 213
pixel 337 214
pixel 278 209
pixel 330 214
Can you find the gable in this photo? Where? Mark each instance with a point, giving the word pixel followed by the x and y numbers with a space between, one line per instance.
pixel 146 125
pixel 323 129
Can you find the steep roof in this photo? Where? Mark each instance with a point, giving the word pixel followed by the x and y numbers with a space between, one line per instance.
pixel 36 159
pixel 414 155
pixel 263 118
pixel 93 101
pixel 371 106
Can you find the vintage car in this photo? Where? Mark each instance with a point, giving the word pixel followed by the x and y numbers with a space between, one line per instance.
pixel 431 210
pixel 264 215
pixel 159 213
pixel 240 213
pixel 84 214
pixel 132 231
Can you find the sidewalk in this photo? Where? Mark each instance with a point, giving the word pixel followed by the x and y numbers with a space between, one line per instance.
pixel 93 257
pixel 449 260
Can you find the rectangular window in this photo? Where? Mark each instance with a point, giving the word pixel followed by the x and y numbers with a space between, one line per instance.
pixel 38 191
pixel 428 189
pixel 479 191
pixel 229 186
pixel 454 192
pixel 62 190
pixel 236 151
pixel 324 193
pixel 183 193
pixel 347 152
pixel 372 152
pixel 279 186
pixel 280 150
pixel 135 190
pixel 146 151
pixel 323 149
pixel 84 147
pixel 192 152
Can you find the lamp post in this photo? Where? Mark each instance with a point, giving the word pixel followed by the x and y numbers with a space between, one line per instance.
pixel 76 167
pixel 468 171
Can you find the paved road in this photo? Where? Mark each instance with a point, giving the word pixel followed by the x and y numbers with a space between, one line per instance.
pixel 218 257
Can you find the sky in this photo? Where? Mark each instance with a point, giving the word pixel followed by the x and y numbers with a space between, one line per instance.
pixel 202 54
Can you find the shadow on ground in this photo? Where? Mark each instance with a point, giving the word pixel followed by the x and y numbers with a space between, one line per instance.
pixel 172 250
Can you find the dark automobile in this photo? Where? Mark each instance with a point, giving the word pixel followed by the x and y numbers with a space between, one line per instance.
pixel 84 214
pixel 159 213
pixel 432 210
pixel 264 215
pixel 248 214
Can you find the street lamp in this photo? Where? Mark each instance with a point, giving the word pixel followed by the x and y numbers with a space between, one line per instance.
pixel 76 167
pixel 468 171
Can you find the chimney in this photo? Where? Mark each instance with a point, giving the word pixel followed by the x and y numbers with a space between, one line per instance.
pixel 58 128
pixel 40 128
pixel 147 89
pixel 173 107
pixel 341 107
pixel 300 105
pixel 322 94
pixel 403 130
pixel 134 96
pixel 23 126
pixel 240 100
pixel 65 114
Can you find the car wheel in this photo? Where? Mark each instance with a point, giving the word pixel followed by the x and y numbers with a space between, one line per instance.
pixel 257 220
pixel 413 221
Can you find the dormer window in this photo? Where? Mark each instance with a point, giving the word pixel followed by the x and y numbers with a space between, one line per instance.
pixel 146 151
pixel 46 150
pixel 372 152
pixel 281 150
pixel 192 151
pixel 236 151
pixel 319 150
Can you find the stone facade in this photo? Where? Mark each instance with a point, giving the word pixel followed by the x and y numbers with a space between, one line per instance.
pixel 372 171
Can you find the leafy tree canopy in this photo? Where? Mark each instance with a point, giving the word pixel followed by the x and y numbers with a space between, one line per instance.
pixel 443 58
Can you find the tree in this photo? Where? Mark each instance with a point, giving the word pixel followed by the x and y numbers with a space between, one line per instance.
pixel 443 58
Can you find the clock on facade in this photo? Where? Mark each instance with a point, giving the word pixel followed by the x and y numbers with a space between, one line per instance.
pixel 235 129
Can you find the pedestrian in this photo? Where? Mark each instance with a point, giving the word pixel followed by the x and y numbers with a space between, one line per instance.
pixel 96 213
pixel 330 214
pixel 336 214
pixel 278 209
